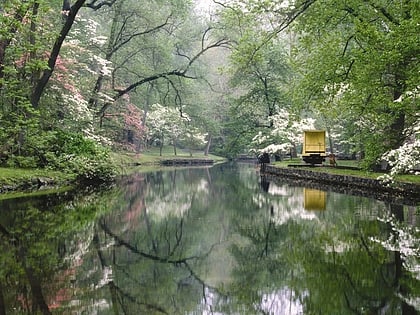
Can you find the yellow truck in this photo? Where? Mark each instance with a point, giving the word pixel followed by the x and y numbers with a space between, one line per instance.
pixel 313 150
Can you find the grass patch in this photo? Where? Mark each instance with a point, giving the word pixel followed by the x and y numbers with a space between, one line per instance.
pixel 152 156
pixel 414 179
pixel 285 162
pixel 153 153
pixel 126 162
pixel 36 193
pixel 13 176
pixel 338 171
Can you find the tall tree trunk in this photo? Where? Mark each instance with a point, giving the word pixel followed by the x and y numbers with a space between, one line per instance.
pixel 207 149
pixel 397 126
pixel 293 151
pixel 32 38
pixel 93 101
pixel 2 305
pixel 34 283
pixel 330 141
pixel 145 113
pixel 37 291
pixel 46 75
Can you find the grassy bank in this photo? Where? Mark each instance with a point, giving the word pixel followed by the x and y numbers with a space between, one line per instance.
pixel 358 173
pixel 13 179
pixel 16 176
pixel 16 179
pixel 151 158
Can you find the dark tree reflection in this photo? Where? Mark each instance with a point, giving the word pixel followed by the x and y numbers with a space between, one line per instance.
pixel 330 263
pixel 208 241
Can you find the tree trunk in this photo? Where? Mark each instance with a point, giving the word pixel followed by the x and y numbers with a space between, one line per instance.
pixel 93 100
pixel 144 143
pixel 396 129
pixel 2 306
pixel 37 291
pixel 46 75
pixel 293 151
pixel 34 283
pixel 32 38
pixel 207 149
pixel 330 141
pixel 396 136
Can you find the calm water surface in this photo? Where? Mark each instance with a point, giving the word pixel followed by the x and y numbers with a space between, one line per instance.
pixel 218 240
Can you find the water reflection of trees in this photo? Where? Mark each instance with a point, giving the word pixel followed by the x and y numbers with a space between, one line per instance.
pixel 33 245
pixel 285 258
pixel 154 262
pixel 156 276
pixel 330 263
pixel 190 242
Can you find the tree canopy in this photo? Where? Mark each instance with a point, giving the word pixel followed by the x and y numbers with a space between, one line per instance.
pixel 95 67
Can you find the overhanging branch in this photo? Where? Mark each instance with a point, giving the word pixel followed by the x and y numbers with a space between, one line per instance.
pixel 96 5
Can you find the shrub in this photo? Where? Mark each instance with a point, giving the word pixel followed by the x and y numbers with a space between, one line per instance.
pixel 83 157
pixel 60 150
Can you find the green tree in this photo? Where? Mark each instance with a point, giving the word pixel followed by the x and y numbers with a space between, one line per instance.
pixel 352 60
pixel 361 58
pixel 170 125
pixel 32 37
pixel 34 243
pixel 154 50
pixel 259 73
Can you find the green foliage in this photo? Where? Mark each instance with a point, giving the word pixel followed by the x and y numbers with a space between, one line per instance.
pixel 239 133
pixel 37 234
pixel 31 136
pixel 359 59
pixel 72 152
pixel 260 74
pixel 19 126
pixel 354 64
pixel 95 168
pixel 64 151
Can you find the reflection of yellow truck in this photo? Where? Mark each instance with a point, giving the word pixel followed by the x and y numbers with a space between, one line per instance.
pixel 313 151
pixel 314 199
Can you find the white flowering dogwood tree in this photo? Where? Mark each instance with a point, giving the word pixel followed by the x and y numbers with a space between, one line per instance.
pixel 406 158
pixel 166 125
pixel 285 135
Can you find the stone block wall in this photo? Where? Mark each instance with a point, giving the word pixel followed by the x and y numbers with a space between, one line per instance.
pixel 348 183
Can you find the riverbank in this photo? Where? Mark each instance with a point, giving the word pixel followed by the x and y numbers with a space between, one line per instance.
pixel 398 191
pixel 29 180
pixel 17 179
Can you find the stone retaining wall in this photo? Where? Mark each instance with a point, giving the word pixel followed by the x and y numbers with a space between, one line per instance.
pixel 187 162
pixel 349 184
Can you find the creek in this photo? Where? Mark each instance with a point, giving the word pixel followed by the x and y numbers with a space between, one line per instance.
pixel 208 240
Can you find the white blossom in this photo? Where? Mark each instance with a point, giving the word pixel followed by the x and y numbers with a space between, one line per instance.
pixel 285 133
pixel 406 158
pixel 403 239
pixel 90 133
pixel 99 40
pixel 77 106
pixel 104 65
